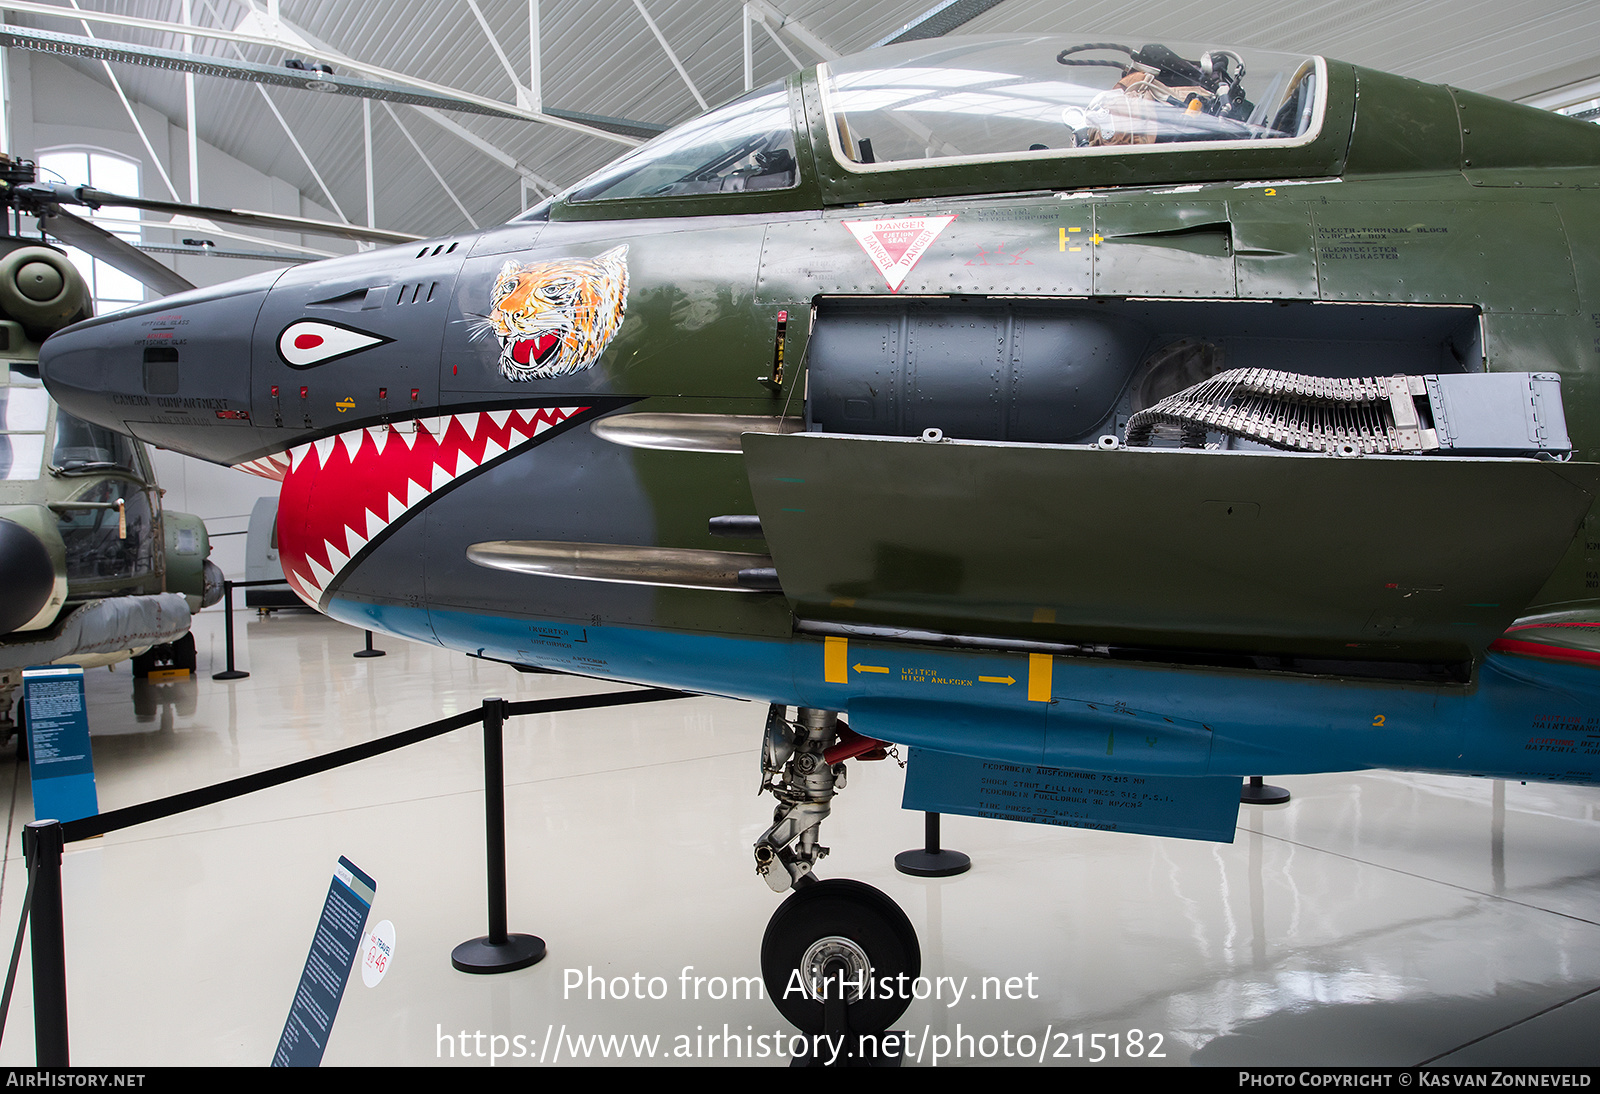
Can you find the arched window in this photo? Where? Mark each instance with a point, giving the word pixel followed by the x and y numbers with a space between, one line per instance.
pixel 111 288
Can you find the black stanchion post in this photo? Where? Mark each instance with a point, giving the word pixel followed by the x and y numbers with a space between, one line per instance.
pixel 931 860
pixel 41 848
pixel 1258 792
pixel 497 951
pixel 369 651
pixel 230 673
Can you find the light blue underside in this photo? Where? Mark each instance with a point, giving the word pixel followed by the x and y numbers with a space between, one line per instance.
pixel 1521 718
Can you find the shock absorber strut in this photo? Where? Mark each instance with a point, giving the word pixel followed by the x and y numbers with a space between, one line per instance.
pixel 796 771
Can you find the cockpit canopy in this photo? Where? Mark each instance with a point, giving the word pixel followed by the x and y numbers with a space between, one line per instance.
pixel 979 100
pixel 1001 98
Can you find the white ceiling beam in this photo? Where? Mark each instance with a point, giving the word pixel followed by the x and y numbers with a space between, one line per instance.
pixel 749 48
pixel 535 73
pixel 428 163
pixel 116 85
pixel 796 30
pixel 499 155
pixel 779 42
pixel 333 202
pixel 493 151
pixel 317 52
pixel 671 56
pixel 505 62
pixel 293 140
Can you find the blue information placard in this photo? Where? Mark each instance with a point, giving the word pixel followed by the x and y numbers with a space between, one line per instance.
pixel 60 762
pixel 1190 807
pixel 327 970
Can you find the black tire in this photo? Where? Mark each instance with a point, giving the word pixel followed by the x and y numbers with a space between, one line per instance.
pixel 145 663
pixel 183 653
pixel 848 909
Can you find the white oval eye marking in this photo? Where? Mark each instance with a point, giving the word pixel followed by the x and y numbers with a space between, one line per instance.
pixel 310 342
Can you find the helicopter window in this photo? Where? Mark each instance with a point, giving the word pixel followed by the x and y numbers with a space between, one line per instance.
pixel 746 145
pixel 24 408
pixel 987 98
pixel 84 447
pixel 101 543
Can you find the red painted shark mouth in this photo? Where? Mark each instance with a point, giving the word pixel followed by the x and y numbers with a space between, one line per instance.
pixel 341 493
pixel 536 349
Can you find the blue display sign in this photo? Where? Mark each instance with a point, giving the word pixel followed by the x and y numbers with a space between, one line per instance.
pixel 1199 807
pixel 333 953
pixel 60 762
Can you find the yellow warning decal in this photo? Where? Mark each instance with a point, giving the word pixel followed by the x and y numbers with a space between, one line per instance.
pixel 1039 677
pixel 836 660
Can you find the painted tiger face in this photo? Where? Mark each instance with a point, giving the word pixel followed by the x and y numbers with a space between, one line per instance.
pixel 556 318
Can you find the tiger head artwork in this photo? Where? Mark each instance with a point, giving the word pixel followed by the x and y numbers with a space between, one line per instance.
pixel 556 318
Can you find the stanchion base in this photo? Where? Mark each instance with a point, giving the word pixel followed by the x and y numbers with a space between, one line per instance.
pixel 369 653
pixel 1264 794
pixel 480 955
pixel 230 674
pixel 924 863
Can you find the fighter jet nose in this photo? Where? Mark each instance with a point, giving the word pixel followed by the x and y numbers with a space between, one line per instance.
pixel 169 372
pixel 26 575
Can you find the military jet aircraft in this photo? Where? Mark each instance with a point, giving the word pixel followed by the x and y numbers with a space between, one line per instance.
pixel 1103 421
pixel 92 569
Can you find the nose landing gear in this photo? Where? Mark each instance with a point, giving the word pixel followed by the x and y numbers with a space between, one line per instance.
pixel 839 957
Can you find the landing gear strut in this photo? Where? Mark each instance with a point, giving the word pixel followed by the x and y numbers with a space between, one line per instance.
pixel 839 956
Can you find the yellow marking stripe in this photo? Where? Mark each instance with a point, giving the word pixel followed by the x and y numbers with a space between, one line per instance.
pixel 836 661
pixel 1039 666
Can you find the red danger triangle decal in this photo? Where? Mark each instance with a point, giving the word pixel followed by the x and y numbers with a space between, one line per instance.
pixel 895 245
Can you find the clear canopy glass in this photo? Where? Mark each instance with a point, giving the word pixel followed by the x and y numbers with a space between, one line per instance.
pixel 744 145
pixel 994 98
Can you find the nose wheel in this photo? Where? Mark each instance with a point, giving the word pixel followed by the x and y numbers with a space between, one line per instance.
pixel 840 933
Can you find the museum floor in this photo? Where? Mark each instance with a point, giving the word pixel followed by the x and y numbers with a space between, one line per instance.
pixel 1376 919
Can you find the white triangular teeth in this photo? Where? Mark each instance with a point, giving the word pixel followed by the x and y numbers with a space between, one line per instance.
pixel 415 492
pixel 354 541
pixel 397 508
pixel 469 422
pixel 441 477
pixel 324 447
pixel 491 449
pixel 297 455
pixel 464 463
pixel 319 577
pixel 407 432
pixel 337 559
pixel 435 426
pixel 352 442
pixel 499 418
pixel 375 524
pixel 379 435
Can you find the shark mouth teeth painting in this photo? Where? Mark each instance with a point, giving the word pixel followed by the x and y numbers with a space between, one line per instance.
pixel 342 494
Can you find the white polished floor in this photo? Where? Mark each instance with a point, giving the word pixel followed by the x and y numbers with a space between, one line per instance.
pixel 1377 919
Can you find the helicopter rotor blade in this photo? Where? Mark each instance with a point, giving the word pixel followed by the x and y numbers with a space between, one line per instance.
pixel 93 198
pixel 100 243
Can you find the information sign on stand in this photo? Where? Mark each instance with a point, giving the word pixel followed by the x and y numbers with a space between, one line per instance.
pixel 60 762
pixel 327 969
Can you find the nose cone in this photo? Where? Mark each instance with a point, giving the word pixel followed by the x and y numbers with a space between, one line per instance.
pixel 175 372
pixel 26 575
